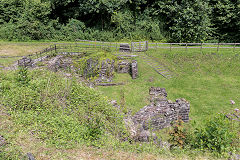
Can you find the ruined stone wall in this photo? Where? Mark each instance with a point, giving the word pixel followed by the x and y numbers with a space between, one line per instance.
pixel 161 112
pixel 106 71
pixel 123 66
pixel 134 69
pixel 127 66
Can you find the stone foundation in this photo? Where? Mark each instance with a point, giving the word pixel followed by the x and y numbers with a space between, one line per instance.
pixel 160 113
pixel 106 71
pixel 25 62
pixel 127 66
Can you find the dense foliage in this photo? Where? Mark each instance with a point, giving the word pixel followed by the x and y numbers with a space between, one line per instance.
pixel 171 20
pixel 219 134
pixel 67 112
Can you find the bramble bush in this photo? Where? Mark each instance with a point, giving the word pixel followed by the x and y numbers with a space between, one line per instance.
pixel 218 134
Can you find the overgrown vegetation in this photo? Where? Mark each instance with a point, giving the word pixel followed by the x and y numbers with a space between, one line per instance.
pixel 90 65
pixel 219 135
pixel 67 112
pixel 110 20
pixel 64 113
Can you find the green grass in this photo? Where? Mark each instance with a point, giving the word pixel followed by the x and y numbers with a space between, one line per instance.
pixel 207 81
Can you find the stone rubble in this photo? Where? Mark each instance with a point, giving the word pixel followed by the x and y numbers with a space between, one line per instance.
pixel 159 114
pixel 2 141
pixel 106 71
pixel 123 67
pixel 25 62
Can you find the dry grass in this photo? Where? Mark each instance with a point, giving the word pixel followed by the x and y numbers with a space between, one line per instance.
pixel 20 49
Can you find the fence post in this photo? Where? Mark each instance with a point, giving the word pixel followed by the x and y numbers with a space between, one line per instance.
pixel 234 47
pixel 146 45
pixel 55 49
pixel 170 47
pixel 218 47
pixel 140 46
pixel 132 47
pixel 41 55
pixel 116 48
pixel 24 62
pixel 201 47
pixel 186 47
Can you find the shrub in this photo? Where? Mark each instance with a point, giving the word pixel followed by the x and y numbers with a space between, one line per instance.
pixel 178 135
pixel 217 135
pixel 59 111
pixel 22 76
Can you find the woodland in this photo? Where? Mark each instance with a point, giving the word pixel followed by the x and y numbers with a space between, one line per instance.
pixel 120 20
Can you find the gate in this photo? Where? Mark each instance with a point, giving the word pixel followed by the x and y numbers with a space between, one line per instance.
pixel 139 46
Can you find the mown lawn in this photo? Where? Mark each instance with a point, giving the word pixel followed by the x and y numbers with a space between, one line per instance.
pixel 208 80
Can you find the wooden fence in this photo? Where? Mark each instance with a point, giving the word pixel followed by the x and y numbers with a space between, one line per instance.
pixel 200 46
pixel 80 46
pixel 144 46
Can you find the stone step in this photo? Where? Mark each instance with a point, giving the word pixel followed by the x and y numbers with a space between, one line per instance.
pixel 156 66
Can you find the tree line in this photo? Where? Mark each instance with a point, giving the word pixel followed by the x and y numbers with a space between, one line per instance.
pixel 111 20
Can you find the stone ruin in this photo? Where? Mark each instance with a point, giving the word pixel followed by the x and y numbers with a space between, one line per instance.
pixel 59 62
pixel 123 67
pixel 130 67
pixel 25 62
pixel 134 69
pixel 160 113
pixel 106 71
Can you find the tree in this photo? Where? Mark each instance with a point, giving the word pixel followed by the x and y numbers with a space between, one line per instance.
pixel 187 21
pixel 225 19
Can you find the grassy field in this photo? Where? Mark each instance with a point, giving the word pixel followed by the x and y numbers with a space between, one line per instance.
pixel 208 80
pixel 18 49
